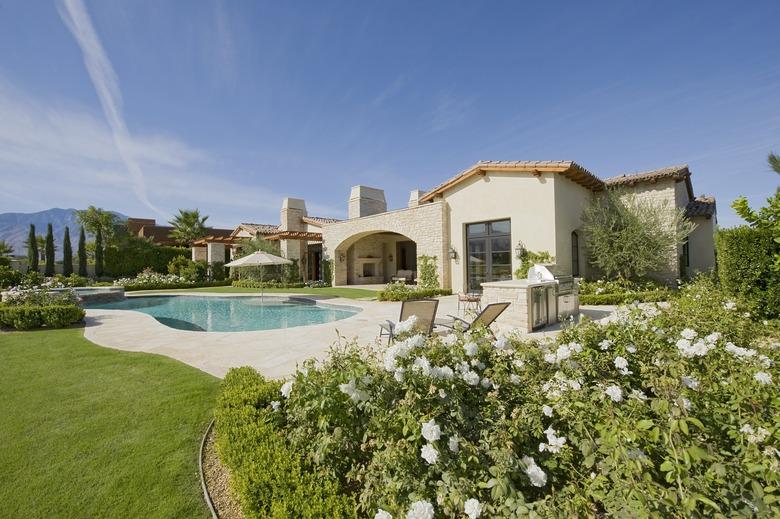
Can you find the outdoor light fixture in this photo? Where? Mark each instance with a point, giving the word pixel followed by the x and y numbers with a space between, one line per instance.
pixel 453 253
pixel 341 257
pixel 390 257
pixel 520 249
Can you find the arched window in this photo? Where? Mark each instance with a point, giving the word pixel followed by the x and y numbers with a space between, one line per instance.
pixel 575 254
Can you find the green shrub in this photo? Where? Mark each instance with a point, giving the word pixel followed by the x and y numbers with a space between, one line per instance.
pixel 181 285
pixel 427 275
pixel 130 255
pixel 746 257
pixel 625 297
pixel 9 277
pixel 177 264
pixel 29 317
pixel 403 292
pixel 217 271
pixel 668 411
pixel 271 480
pixel 327 271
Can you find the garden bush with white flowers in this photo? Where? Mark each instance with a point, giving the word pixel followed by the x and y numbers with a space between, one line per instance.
pixel 670 411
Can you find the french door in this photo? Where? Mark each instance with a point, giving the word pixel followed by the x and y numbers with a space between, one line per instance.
pixel 489 254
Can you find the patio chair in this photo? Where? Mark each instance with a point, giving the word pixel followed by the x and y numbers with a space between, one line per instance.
pixel 485 318
pixel 423 309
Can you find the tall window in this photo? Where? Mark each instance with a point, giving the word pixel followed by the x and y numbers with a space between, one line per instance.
pixel 489 253
pixel 575 254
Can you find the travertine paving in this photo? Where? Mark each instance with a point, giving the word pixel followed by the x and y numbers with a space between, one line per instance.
pixel 275 353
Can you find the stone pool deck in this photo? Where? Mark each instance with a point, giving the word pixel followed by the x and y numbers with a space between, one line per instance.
pixel 274 353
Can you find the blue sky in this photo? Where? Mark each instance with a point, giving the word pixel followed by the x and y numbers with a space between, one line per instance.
pixel 144 107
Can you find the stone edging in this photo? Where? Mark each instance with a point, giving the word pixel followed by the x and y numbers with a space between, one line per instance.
pixel 206 495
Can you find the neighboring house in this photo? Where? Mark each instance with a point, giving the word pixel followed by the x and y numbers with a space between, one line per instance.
pixel 299 236
pixel 160 234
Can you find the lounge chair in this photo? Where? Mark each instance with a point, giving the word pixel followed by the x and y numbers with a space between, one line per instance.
pixel 423 309
pixel 485 318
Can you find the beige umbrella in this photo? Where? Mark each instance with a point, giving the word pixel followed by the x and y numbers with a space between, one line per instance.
pixel 258 259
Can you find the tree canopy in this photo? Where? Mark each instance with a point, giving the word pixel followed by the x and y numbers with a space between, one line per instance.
pixel 93 218
pixel 188 226
pixel 627 235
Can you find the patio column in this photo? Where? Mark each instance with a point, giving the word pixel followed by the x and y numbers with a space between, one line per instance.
pixel 216 252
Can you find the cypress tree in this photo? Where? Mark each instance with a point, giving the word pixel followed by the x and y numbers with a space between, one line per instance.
pixel 99 253
pixel 49 251
pixel 67 254
pixel 32 251
pixel 82 253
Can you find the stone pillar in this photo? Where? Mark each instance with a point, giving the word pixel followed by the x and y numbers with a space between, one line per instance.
pixel 293 210
pixel 414 197
pixel 215 253
pixel 199 253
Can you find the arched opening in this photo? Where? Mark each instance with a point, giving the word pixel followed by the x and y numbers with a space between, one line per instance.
pixel 575 254
pixel 377 258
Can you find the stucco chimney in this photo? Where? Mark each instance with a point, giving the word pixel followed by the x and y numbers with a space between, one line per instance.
pixel 415 196
pixel 365 201
pixel 293 209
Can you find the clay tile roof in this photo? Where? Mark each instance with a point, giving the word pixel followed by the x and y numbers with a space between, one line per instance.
pixel 672 172
pixel 701 206
pixel 567 168
pixel 296 235
pixel 260 228
pixel 319 220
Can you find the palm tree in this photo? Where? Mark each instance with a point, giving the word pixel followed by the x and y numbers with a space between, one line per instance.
pixel 188 226
pixel 5 248
pixel 774 162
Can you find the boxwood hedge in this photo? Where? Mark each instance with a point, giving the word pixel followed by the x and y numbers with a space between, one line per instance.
pixel 29 317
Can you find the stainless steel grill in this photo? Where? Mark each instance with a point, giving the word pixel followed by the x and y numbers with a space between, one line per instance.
pixel 565 285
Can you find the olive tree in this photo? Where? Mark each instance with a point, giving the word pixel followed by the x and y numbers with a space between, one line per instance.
pixel 628 236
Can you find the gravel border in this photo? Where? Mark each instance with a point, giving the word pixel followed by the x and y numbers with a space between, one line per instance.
pixel 206 495
pixel 215 480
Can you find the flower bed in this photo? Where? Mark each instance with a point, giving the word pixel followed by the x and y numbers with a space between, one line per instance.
pixel 670 410
pixel 254 283
pixel 149 280
pixel 25 309
pixel 402 292
pixel 616 292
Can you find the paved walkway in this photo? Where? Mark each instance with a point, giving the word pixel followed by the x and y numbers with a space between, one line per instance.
pixel 275 353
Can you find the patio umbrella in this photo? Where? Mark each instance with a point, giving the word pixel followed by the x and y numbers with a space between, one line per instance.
pixel 258 259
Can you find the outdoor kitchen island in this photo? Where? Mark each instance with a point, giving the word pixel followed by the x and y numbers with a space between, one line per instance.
pixel 539 301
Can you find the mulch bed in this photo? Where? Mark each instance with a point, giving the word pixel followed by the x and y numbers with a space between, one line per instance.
pixel 217 478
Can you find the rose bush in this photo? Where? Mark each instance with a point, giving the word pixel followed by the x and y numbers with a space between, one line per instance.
pixel 672 410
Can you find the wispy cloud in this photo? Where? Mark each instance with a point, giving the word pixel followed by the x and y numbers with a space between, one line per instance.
pixel 57 154
pixel 449 110
pixel 75 16
pixel 222 49
pixel 392 90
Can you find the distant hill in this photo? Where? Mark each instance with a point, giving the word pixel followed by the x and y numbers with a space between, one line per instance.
pixel 15 226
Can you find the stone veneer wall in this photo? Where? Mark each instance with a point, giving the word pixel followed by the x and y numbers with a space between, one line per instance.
pixel 427 225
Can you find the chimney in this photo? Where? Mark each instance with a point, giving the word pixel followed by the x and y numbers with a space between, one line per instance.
pixel 365 201
pixel 415 196
pixel 293 209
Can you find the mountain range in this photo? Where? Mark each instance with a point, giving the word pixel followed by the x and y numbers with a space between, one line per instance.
pixel 14 228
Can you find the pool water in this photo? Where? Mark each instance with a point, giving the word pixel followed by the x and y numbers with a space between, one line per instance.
pixel 229 314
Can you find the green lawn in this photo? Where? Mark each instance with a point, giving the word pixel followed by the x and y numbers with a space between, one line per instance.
pixel 349 293
pixel 87 431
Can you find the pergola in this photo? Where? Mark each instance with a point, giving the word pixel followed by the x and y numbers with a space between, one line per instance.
pixel 212 248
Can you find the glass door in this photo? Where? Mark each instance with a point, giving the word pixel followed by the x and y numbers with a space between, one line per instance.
pixel 489 254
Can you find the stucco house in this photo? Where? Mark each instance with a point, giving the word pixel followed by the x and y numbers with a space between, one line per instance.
pixel 477 222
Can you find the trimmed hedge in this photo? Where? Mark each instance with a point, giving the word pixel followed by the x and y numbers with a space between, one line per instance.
pixel 29 317
pixel 132 255
pixel 271 479
pixel 625 297
pixel 175 286
pixel 253 283
pixel 412 294
pixel 745 260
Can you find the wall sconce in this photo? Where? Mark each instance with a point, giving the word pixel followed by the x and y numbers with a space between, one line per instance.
pixel 390 258
pixel 341 257
pixel 520 249
pixel 453 254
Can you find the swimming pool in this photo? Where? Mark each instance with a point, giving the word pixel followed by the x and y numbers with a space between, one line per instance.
pixel 230 314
